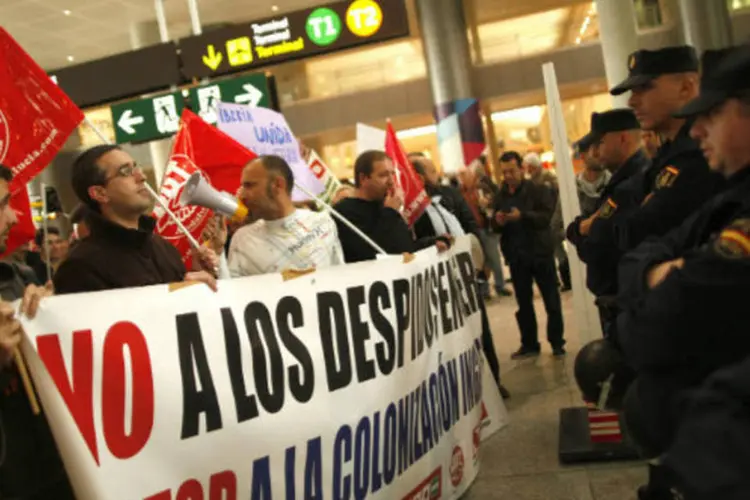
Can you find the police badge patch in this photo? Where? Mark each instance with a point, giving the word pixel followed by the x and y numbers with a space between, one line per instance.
pixel 734 240
pixel 608 208
pixel 631 62
pixel 666 177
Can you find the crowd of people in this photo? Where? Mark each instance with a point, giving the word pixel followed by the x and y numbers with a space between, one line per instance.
pixel 664 232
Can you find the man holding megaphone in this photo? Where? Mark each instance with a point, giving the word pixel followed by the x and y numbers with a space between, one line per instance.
pixel 279 236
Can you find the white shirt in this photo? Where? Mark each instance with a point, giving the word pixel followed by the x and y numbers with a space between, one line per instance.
pixel 302 240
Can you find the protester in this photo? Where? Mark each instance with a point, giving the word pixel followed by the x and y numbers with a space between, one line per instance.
pixel 684 296
pixel 522 214
pixel 58 250
pixel 121 250
pixel 375 211
pixel 478 193
pixel 279 237
pixel 31 467
pixel 543 177
pixel 591 182
pixel 448 213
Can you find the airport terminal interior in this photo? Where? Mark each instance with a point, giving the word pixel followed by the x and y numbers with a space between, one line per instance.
pixel 396 66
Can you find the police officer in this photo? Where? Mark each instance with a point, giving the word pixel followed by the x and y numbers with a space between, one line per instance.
pixel 685 295
pixel 679 182
pixel 617 144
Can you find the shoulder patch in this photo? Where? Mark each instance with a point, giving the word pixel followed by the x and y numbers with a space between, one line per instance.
pixel 607 209
pixel 734 240
pixel 666 177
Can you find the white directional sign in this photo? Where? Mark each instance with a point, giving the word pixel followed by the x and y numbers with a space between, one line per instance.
pixel 127 121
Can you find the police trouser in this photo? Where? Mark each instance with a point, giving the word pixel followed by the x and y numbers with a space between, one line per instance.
pixel 650 414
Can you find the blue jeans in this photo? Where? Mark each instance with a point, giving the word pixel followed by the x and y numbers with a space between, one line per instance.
pixel 490 245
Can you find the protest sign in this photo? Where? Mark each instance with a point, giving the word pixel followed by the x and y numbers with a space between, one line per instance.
pixel 369 138
pixel 415 197
pixel 198 147
pixel 362 383
pixel 266 132
pixel 321 171
pixel 36 117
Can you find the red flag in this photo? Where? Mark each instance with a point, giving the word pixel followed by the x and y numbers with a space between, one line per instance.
pixel 24 230
pixel 198 147
pixel 36 117
pixel 415 197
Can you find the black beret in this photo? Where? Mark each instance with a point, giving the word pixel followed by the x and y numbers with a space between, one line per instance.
pixel 646 65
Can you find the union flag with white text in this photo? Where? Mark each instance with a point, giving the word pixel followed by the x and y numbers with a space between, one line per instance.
pixel 198 147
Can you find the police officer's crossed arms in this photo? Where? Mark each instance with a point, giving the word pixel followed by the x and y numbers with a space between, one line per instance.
pixel 684 299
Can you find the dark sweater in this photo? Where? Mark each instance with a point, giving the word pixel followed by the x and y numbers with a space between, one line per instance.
pixel 117 257
pixel 383 225
pixel 31 466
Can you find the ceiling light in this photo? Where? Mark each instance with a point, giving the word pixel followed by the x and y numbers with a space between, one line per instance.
pixel 578 41
pixel 275 8
pixel 70 58
pixel 67 12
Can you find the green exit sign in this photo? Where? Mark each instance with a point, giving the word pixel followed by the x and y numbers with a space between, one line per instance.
pixel 157 117
pixel 147 119
pixel 251 90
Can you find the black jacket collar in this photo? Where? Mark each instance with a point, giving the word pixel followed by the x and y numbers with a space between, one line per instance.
pixel 632 166
pixel 104 229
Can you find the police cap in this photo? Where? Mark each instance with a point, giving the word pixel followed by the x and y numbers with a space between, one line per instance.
pixel 614 120
pixel 726 73
pixel 647 65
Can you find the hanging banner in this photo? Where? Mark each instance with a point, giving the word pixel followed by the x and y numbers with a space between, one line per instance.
pixel 321 171
pixel 358 382
pixel 266 132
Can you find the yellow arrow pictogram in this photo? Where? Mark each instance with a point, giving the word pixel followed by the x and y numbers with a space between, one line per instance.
pixel 213 58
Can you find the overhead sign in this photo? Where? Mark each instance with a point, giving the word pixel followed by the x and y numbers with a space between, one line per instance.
pixel 121 76
pixel 158 117
pixel 252 90
pixel 147 119
pixel 304 33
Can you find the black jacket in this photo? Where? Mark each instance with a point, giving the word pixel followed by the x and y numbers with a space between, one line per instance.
pixel 531 236
pixel 31 463
pixel 113 256
pixel 600 250
pixel 383 225
pixel 695 321
pixel 710 456
pixel 677 184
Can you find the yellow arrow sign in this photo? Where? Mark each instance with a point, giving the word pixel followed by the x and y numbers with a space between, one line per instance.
pixel 212 59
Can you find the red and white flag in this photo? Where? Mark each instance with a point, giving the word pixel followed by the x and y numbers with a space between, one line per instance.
pixel 415 197
pixel 36 116
pixel 198 147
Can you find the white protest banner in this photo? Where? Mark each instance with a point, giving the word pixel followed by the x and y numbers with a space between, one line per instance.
pixel 266 132
pixel 353 384
pixel 321 171
pixel 369 138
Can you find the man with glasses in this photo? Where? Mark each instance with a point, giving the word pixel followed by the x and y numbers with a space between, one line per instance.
pixel 121 251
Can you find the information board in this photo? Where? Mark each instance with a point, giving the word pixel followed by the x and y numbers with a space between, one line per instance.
pixel 304 33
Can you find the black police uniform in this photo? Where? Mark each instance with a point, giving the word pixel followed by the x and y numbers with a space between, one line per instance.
pixel 694 322
pixel 529 250
pixel 710 456
pixel 599 249
pixel 679 180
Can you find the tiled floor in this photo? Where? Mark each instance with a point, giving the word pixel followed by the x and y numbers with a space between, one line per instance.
pixel 520 462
